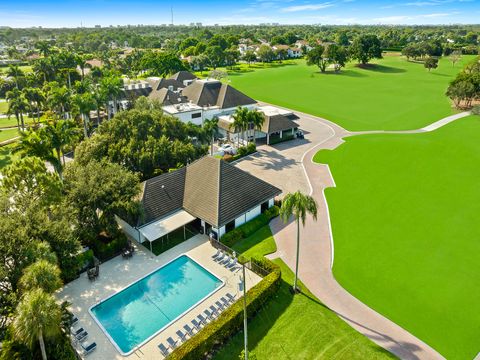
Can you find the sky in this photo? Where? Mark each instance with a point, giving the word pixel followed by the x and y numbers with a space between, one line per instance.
pixel 74 13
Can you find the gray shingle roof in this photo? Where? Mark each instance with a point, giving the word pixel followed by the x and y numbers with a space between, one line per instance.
pixel 166 97
pixel 162 195
pixel 276 123
pixel 214 93
pixel 165 83
pixel 182 76
pixel 209 188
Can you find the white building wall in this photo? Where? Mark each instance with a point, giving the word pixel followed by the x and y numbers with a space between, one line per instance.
pixel 129 230
pixel 270 203
pixel 240 220
pixel 221 231
pixel 253 213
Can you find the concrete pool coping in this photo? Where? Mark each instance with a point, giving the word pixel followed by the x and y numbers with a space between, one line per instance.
pixel 136 347
pixel 115 274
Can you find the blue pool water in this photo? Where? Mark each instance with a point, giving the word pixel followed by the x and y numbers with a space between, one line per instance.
pixel 138 312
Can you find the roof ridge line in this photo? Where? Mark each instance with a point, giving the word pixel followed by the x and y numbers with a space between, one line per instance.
pixel 219 192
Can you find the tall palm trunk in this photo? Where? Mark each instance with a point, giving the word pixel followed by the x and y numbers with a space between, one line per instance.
pixel 211 146
pixel 85 125
pixel 98 115
pixel 18 119
pixel 42 345
pixel 23 122
pixel 298 254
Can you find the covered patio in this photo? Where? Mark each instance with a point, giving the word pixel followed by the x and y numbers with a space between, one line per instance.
pixel 168 231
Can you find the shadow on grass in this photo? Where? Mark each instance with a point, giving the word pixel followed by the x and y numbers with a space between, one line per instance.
pixel 260 325
pixel 380 68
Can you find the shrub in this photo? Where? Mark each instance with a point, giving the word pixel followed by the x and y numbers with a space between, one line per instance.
pixel 476 110
pixel 227 157
pixel 250 227
pixel 251 147
pixel 230 321
pixel 106 250
pixel 242 151
pixel 282 139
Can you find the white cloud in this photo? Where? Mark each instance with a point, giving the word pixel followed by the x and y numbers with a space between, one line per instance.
pixel 307 7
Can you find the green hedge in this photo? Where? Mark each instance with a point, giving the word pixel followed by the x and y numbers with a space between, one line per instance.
pixel 214 334
pixel 250 227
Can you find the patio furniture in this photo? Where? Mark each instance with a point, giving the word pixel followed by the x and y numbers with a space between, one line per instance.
pixel 221 256
pixel 82 336
pixel 181 335
pixel 172 343
pixel 227 261
pixel 214 310
pixel 233 264
pixel 196 324
pixel 77 332
pixel 163 349
pixel 201 319
pixel 208 314
pixel 188 329
pixel 220 305
pixel 91 274
pixel 126 253
pixel 73 319
pixel 230 297
pixel 89 348
pixel 217 254
pixel 225 302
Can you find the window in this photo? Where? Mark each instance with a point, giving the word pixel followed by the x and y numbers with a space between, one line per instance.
pixel 196 115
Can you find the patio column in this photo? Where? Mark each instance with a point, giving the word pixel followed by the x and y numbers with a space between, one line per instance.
pixel 151 250
pixel 281 134
pixel 268 139
pixel 184 234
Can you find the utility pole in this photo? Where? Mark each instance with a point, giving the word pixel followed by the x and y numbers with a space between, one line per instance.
pixel 245 313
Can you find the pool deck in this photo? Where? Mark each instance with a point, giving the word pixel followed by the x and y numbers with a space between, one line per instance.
pixel 118 273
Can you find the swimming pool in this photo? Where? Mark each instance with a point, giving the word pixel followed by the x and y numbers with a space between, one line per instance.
pixel 134 315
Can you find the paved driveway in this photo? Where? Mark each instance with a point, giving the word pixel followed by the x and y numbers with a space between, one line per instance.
pixel 281 164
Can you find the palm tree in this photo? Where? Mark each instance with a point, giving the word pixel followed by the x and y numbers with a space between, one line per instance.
pixel 42 274
pixel 256 119
pixel 37 316
pixel 210 126
pixel 16 73
pixel 298 205
pixel 81 62
pixel 17 104
pixel 112 88
pixel 44 48
pixel 85 103
pixel 58 97
pixel 99 98
pixel 240 119
pixel 35 98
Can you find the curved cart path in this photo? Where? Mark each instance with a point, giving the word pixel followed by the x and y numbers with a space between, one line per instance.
pixel 317 253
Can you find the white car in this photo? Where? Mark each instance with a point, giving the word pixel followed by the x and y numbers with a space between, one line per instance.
pixel 227 149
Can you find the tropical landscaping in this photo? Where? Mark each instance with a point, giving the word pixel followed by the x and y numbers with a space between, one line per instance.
pixel 404 224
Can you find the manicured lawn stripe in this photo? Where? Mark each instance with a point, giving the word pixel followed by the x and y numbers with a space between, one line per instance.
pixel 8 134
pixel 406 232
pixel 395 95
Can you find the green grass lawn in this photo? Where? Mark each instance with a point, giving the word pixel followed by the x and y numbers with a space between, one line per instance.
pixel 8 134
pixel 12 121
pixel 24 68
pixel 3 107
pixel 394 95
pixel 406 231
pixel 286 326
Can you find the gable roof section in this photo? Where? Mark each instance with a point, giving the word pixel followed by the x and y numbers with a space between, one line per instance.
pixel 183 75
pixel 214 93
pixel 219 192
pixel 209 188
pixel 274 123
pixel 165 83
pixel 162 195
pixel 240 192
pixel 230 97
pixel 166 97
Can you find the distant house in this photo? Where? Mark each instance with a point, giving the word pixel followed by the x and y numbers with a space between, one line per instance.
pixel 292 52
pixel 209 194
pixel 205 99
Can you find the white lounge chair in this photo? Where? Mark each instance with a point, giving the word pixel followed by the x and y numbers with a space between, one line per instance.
pixel 233 263
pixel 87 349
pixel 181 335
pixel 220 257
pixel 208 313
pixel 214 256
pixel 196 324
pixel 231 297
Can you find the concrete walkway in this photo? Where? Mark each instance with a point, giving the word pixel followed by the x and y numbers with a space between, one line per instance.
pixel 317 256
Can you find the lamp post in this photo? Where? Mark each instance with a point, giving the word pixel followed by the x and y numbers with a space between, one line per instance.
pixel 245 313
